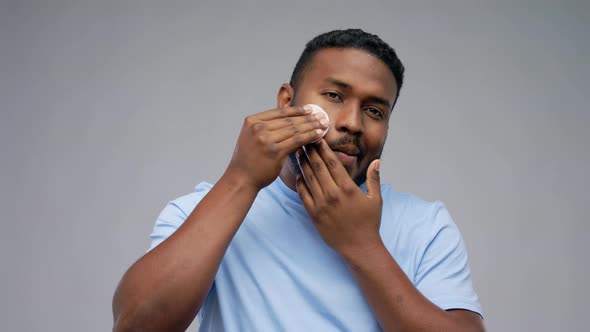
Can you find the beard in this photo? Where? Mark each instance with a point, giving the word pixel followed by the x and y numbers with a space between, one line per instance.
pixel 359 179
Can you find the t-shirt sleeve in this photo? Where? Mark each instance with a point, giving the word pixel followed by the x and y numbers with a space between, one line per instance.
pixel 175 213
pixel 167 223
pixel 443 274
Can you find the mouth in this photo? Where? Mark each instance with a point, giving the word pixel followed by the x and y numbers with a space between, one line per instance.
pixel 348 155
pixel 347 160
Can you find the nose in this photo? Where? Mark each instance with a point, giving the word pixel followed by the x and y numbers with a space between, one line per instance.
pixel 349 119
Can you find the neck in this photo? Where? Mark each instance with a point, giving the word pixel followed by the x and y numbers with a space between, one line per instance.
pixel 288 177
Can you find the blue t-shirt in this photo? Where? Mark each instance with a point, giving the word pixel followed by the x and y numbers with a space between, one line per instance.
pixel 279 275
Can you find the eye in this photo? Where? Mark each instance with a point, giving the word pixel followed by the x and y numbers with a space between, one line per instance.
pixel 375 112
pixel 333 95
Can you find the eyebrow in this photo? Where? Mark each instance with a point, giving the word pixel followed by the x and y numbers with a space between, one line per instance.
pixel 338 83
pixel 347 86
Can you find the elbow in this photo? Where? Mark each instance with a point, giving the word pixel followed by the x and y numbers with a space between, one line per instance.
pixel 130 322
pixel 128 314
pixel 124 324
pixel 127 317
pixel 143 317
pixel 126 320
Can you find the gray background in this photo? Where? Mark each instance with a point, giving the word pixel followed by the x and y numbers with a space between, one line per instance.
pixel 111 108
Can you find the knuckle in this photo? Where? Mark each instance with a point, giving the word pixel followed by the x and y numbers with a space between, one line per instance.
pixel 257 127
pixel 249 120
pixel 320 209
pixel 295 130
pixel 261 138
pixel 288 120
pixel 316 166
pixel 298 140
pixel 348 189
pixel 272 148
pixel 331 163
pixel 331 197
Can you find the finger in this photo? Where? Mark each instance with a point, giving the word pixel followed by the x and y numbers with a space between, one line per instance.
pixel 282 134
pixel 284 112
pixel 320 170
pixel 310 180
pixel 291 121
pixel 333 164
pixel 278 123
pixel 304 194
pixel 374 179
pixel 293 143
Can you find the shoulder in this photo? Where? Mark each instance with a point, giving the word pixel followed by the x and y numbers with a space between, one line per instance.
pixel 188 202
pixel 176 212
pixel 410 207
pixel 412 220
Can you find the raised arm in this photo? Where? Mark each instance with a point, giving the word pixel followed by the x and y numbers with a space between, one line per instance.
pixel 164 290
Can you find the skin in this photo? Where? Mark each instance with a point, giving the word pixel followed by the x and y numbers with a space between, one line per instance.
pixel 165 288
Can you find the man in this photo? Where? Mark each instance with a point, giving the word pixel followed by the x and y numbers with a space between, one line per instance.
pixel 299 234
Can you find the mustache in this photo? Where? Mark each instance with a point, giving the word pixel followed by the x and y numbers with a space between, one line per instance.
pixel 350 140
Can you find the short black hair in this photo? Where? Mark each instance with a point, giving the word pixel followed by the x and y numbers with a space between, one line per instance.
pixel 350 38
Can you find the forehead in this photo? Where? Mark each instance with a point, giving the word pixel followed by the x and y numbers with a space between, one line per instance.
pixel 358 68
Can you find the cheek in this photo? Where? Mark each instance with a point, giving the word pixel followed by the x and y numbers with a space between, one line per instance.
pixel 375 142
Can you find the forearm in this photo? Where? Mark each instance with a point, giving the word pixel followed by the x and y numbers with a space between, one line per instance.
pixel 165 289
pixel 398 305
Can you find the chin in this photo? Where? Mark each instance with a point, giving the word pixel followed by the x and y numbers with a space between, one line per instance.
pixel 293 167
pixel 360 179
pixel 361 176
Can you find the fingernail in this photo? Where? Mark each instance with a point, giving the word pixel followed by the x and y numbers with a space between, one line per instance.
pixel 303 110
pixel 307 108
pixel 378 168
pixel 324 122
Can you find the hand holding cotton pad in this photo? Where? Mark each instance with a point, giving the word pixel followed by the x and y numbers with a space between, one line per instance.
pixel 316 109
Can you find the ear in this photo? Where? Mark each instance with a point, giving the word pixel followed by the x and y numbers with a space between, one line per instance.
pixel 285 95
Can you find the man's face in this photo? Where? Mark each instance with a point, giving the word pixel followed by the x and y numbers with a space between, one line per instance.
pixel 357 90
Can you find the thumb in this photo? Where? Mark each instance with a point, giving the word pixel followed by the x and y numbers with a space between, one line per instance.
pixel 374 179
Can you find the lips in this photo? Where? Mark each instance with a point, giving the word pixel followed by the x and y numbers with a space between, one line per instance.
pixel 347 160
pixel 350 150
pixel 348 155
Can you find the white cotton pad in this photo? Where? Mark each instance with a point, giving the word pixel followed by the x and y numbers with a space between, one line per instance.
pixel 316 109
